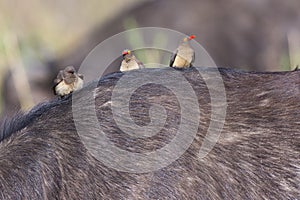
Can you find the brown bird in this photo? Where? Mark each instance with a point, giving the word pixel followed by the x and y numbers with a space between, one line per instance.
pixel 130 62
pixel 184 55
pixel 67 81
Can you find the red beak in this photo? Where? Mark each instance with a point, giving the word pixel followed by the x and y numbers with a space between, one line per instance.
pixel 192 37
pixel 124 53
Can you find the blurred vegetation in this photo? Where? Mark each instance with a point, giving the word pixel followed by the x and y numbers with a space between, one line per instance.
pixel 55 25
pixel 294 48
pixel 39 30
pixel 136 39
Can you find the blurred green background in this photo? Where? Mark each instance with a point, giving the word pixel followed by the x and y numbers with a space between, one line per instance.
pixel 35 31
pixel 38 38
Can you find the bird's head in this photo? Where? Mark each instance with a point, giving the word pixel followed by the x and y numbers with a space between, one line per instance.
pixel 189 38
pixel 70 70
pixel 126 52
pixel 69 75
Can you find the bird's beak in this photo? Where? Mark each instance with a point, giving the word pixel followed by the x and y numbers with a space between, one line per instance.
pixel 126 52
pixel 192 37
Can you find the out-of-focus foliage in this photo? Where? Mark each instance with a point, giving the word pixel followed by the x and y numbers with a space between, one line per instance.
pixel 38 38
pixel 45 30
pixel 53 25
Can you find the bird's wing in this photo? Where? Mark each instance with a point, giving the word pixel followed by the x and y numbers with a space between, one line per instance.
pixel 80 76
pixel 59 78
pixel 53 88
pixel 173 57
pixel 140 64
pixel 193 59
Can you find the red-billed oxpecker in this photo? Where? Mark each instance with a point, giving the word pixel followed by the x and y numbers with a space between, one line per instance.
pixel 67 81
pixel 130 62
pixel 184 55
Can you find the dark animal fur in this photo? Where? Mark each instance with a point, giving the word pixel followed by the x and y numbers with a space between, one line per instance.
pixel 21 120
pixel 256 157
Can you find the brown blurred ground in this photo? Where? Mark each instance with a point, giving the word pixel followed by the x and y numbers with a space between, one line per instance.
pixel 260 35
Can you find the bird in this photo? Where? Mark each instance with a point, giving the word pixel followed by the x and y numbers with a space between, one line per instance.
pixel 130 62
pixel 67 81
pixel 184 55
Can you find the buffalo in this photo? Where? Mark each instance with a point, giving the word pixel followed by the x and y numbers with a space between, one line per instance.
pixel 46 155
